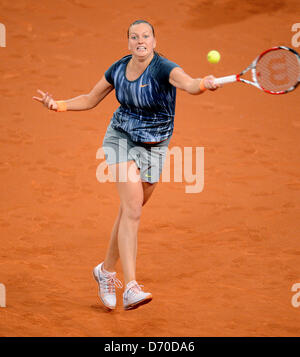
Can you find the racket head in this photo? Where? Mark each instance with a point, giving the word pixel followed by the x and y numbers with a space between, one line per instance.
pixel 277 70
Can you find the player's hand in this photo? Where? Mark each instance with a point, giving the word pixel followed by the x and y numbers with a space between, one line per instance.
pixel 209 83
pixel 46 99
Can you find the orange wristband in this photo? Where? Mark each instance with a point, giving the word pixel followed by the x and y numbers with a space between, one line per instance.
pixel 61 106
pixel 202 87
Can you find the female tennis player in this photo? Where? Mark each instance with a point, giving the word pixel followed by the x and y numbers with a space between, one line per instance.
pixel 136 141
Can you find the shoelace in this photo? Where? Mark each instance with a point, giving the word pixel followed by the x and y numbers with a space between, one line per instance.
pixel 110 282
pixel 135 289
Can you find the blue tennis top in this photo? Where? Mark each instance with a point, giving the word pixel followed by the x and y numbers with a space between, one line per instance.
pixel 147 104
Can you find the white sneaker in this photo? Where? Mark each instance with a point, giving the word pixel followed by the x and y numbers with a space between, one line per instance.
pixel 107 283
pixel 134 296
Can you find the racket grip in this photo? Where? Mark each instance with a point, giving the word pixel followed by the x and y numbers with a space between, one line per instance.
pixel 227 79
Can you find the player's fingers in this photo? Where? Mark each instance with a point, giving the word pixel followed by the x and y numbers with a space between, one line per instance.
pixel 211 83
pixel 41 92
pixel 47 99
pixel 38 99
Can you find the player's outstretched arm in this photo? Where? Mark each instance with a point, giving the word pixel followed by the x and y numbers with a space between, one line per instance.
pixel 82 102
pixel 181 80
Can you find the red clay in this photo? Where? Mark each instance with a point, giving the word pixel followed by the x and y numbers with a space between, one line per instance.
pixel 218 263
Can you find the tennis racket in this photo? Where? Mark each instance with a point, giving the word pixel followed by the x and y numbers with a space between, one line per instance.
pixel 275 71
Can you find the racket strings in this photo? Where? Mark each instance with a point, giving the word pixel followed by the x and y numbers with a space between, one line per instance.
pixel 278 70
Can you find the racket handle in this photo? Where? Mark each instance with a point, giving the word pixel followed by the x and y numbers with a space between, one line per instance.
pixel 227 79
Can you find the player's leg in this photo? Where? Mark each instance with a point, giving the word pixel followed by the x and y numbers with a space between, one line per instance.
pixel 131 194
pixel 123 242
pixel 112 254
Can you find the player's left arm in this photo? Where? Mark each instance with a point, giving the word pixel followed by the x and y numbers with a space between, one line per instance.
pixel 181 80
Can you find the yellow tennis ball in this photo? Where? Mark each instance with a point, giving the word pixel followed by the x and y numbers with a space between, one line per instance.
pixel 213 56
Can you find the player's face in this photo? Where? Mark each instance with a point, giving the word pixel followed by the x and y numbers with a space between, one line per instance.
pixel 141 42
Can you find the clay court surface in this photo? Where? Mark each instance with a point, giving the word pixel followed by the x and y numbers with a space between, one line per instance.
pixel 221 262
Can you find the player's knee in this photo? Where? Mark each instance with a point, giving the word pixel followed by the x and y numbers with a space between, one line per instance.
pixel 132 211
